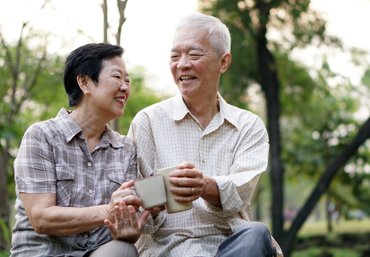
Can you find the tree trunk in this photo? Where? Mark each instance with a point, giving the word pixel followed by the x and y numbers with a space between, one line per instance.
pixel 270 85
pixel 328 212
pixel 104 7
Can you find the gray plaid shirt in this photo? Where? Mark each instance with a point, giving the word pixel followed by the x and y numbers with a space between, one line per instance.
pixel 54 158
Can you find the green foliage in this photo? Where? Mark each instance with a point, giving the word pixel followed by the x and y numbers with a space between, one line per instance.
pixel 140 97
pixel 6 233
pixel 4 253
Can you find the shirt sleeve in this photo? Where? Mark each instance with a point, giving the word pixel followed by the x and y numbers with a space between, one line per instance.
pixel 140 133
pixel 34 166
pixel 250 160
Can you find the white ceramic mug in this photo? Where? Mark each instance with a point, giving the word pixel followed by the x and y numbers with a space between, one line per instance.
pixel 172 205
pixel 151 191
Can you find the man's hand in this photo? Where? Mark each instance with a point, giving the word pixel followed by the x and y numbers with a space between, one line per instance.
pixel 189 183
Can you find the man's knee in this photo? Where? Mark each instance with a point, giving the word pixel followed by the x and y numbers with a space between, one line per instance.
pixel 259 229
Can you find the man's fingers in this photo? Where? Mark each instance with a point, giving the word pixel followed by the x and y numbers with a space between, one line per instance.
pixel 186 165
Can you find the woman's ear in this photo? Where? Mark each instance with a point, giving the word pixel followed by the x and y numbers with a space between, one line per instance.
pixel 83 82
pixel 225 62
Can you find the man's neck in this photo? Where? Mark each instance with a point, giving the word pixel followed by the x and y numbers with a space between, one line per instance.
pixel 203 109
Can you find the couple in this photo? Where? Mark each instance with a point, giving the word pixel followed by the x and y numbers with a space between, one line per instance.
pixel 74 175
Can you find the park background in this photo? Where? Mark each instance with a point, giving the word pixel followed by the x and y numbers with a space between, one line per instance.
pixel 303 66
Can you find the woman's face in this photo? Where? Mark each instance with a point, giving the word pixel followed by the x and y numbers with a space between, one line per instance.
pixel 108 97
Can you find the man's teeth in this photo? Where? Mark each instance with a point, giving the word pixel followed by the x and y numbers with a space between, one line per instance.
pixel 185 77
pixel 120 100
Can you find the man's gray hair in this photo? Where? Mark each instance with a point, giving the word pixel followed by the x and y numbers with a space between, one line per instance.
pixel 218 33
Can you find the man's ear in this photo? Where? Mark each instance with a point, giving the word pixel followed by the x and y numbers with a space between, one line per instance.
pixel 225 62
pixel 83 82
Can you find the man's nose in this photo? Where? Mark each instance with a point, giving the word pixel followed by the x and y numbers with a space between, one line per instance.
pixel 184 62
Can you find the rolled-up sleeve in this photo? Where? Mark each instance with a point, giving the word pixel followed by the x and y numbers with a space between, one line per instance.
pixel 250 160
pixel 34 166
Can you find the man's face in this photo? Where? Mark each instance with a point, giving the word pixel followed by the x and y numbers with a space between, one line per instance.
pixel 194 64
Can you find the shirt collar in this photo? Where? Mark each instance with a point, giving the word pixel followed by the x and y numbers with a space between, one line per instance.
pixel 179 109
pixel 67 125
pixel 70 129
pixel 227 112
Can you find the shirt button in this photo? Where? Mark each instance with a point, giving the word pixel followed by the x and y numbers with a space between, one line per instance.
pixel 90 191
pixel 86 234
pixel 89 164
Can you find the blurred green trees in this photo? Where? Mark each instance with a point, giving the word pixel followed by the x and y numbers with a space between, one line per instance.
pixel 310 111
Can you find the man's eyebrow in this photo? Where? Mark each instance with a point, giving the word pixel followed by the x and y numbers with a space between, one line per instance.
pixel 188 48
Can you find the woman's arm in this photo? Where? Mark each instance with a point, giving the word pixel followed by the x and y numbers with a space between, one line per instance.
pixel 47 218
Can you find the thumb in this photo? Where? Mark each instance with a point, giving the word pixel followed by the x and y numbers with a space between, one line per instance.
pixel 126 185
pixel 186 165
pixel 143 218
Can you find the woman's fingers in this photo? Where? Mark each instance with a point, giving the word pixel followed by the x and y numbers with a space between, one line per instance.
pixel 127 184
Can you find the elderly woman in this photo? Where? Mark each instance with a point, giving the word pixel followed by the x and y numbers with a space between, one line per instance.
pixel 70 170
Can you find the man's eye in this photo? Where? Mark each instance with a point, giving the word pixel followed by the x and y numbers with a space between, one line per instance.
pixel 195 56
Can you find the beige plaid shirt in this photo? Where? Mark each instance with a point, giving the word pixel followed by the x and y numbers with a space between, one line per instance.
pixel 233 149
pixel 54 158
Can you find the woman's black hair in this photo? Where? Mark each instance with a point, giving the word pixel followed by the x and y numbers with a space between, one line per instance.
pixel 86 60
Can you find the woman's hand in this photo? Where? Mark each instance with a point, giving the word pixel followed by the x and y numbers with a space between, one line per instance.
pixel 156 210
pixel 125 193
pixel 127 224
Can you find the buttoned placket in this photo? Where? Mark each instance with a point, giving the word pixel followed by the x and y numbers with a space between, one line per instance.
pixel 90 173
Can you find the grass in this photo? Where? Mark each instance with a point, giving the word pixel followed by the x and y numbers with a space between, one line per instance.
pixel 343 226
pixel 321 251
pixel 348 239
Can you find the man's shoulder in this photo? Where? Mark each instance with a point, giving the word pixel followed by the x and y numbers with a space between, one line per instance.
pixel 238 114
pixel 163 106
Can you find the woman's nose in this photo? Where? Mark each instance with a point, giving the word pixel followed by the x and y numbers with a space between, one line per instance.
pixel 124 86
